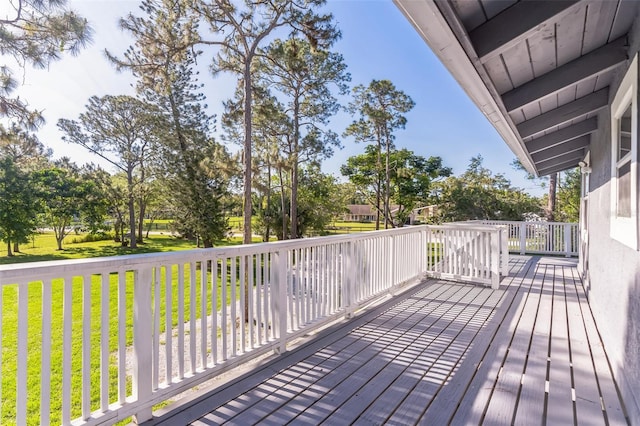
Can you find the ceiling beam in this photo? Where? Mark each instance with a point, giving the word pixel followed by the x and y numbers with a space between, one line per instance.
pixel 560 168
pixel 590 65
pixel 561 149
pixel 514 24
pixel 575 131
pixel 565 113
pixel 561 163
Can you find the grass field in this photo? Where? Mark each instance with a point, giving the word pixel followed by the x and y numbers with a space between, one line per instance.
pixel 9 338
pixel 42 248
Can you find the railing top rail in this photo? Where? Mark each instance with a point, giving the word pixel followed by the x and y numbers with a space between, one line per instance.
pixel 467 226
pixel 57 268
pixel 510 222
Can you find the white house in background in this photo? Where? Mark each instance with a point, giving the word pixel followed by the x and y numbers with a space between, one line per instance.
pixel 365 213
pixel 359 213
pixel 559 82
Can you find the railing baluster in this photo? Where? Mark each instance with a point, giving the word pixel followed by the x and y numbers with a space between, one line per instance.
pixel 67 315
pixel 251 300
pixel 243 277
pixel 1 347
pixel 307 284
pixel 314 283
pixel 104 342
pixel 293 315
pixel 204 269
pixel 214 310
pixel 45 375
pixel 234 303
pixel 259 290
pixel 86 347
pixel 21 385
pixel 180 321
pixel 192 317
pixel 223 317
pixel 266 277
pixel 156 326
pixel 168 324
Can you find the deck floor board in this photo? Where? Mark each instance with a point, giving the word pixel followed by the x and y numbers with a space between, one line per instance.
pixel 440 353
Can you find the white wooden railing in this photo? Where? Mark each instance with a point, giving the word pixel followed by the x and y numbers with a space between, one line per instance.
pixel 556 238
pixel 109 338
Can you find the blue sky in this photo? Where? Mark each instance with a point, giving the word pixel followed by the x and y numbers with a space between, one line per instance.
pixel 377 43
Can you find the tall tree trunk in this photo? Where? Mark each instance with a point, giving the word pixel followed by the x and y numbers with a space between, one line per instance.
pixel 267 230
pixel 379 181
pixel 283 206
pixel 9 248
pixel 551 204
pixel 16 247
pixel 387 181
pixel 59 236
pixel 246 204
pixel 293 214
pixel 132 210
pixel 142 208
pixel 294 168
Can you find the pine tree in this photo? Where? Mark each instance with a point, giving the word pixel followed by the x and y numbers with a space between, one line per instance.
pixel 37 33
pixel 196 168
pixel 381 107
pixel 303 76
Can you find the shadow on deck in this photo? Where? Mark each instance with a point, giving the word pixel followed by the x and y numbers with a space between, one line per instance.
pixel 440 353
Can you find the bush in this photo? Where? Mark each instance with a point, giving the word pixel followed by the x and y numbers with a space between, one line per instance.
pixel 89 238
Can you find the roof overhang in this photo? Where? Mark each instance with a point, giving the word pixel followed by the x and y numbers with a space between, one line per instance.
pixel 538 70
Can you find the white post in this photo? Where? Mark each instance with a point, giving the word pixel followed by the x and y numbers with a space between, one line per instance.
pixel 280 300
pixel 142 342
pixel 504 248
pixel 567 240
pixel 392 261
pixel 349 270
pixel 495 259
pixel 523 237
pixel 424 250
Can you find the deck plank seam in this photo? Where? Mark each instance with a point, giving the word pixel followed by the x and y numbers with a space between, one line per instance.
pixel 492 343
pixel 325 338
pixel 526 360
pixel 499 313
pixel 431 326
pixel 390 318
pixel 591 327
pixel 437 358
pixel 522 286
pixel 530 302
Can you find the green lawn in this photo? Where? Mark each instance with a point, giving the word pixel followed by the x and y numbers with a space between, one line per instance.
pixel 43 248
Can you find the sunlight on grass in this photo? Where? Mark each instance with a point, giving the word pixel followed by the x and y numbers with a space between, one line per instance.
pixel 43 248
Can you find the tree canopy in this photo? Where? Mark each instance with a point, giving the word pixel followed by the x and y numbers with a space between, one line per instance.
pixel 411 180
pixel 478 194
pixel 381 108
pixel 37 33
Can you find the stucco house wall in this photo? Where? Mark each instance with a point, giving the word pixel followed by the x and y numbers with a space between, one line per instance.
pixel 613 275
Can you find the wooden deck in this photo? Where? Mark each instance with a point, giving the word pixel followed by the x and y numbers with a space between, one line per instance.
pixel 441 353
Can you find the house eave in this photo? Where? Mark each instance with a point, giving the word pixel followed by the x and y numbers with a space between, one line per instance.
pixel 447 43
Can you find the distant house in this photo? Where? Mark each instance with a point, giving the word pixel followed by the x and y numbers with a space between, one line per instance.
pixel 359 213
pixel 424 213
pixel 367 213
